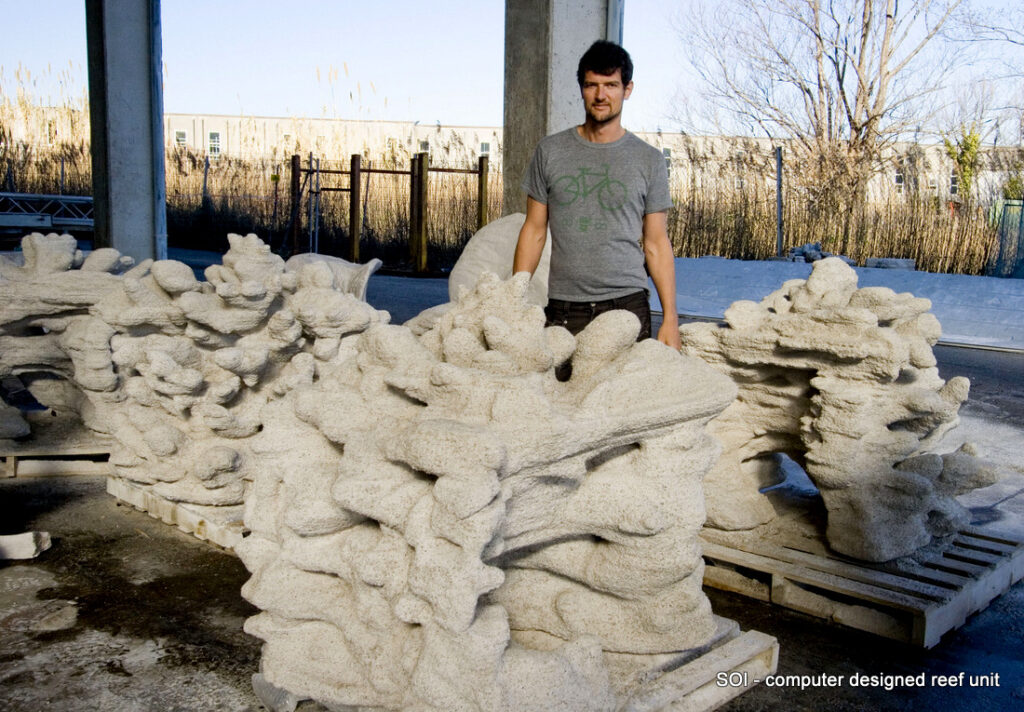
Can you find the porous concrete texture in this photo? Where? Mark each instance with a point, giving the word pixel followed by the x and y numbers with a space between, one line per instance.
pixel 348 277
pixel 492 249
pixel 125 613
pixel 985 311
pixel 439 523
pixel 157 614
pixel 844 381
pixel 175 370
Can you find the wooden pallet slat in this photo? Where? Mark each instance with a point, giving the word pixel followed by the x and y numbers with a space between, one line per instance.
pixel 975 533
pixel 971 556
pixel 753 655
pixel 802 575
pixel 746 658
pixel 38 462
pixel 220 525
pixel 918 606
pixel 58 445
pixel 898 583
pixel 983 545
pixel 954 567
pixel 929 573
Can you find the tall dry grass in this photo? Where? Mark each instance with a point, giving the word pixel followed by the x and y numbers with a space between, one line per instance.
pixel 722 208
pixel 451 211
pixel 53 157
pixel 731 212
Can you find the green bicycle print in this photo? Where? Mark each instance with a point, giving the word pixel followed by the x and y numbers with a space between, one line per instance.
pixel 611 194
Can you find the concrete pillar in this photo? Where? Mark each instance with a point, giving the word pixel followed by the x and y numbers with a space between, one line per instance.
pixel 544 40
pixel 126 113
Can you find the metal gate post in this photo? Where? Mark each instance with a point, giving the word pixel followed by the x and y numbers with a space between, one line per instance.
pixel 355 218
pixel 481 193
pixel 421 228
pixel 293 230
pixel 414 205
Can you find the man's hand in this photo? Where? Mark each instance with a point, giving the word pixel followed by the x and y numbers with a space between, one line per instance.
pixel 668 334
pixel 661 265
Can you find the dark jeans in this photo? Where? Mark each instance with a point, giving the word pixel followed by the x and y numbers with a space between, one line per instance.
pixel 574 316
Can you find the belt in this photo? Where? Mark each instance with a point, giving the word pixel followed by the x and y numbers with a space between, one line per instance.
pixel 623 301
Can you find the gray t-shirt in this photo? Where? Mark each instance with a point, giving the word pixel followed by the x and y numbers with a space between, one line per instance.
pixel 597 195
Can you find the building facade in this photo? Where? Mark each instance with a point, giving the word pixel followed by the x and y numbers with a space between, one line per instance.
pixel 277 138
pixel 714 163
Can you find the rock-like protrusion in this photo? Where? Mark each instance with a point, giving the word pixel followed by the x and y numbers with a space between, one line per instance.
pixel 844 381
pixel 176 369
pixel 439 523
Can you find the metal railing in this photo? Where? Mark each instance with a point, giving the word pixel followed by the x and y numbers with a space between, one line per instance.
pixel 57 212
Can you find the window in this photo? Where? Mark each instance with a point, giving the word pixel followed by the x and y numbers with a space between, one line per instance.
pixel 954 183
pixel 180 139
pixel 485 148
pixel 933 185
pixel 51 132
pixel 214 144
pixel 424 146
pixel 899 180
pixel 287 139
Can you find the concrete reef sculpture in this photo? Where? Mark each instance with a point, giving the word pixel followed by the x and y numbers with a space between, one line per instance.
pixel 439 524
pixel 844 381
pixel 175 369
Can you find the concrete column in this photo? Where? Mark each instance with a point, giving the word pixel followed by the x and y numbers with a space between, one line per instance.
pixel 126 113
pixel 544 40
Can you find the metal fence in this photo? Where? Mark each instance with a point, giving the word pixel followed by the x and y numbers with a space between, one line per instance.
pixel 311 180
pixel 1008 216
pixel 46 212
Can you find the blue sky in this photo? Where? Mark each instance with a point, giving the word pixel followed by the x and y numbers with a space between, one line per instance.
pixel 395 59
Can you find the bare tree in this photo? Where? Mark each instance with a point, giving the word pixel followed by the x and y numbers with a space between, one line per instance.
pixel 841 79
pixel 1003 25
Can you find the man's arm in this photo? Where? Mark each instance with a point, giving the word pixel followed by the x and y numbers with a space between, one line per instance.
pixel 661 265
pixel 532 237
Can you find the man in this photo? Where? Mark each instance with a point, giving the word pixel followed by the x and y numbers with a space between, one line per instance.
pixel 605 194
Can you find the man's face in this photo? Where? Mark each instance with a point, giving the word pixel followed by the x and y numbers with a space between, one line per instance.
pixel 603 95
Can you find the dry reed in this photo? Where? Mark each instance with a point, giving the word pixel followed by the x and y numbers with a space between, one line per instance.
pixel 721 209
pixel 733 214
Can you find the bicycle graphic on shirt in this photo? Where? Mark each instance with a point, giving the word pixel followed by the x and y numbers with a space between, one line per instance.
pixel 611 194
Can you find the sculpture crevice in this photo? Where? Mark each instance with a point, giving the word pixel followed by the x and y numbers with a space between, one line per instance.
pixel 436 521
pixel 844 381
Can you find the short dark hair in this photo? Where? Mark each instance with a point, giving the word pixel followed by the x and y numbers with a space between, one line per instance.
pixel 604 58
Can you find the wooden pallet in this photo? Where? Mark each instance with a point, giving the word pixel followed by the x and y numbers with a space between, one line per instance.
pixel 39 462
pixel 697 680
pixel 220 525
pixel 54 435
pixel 702 679
pixel 916 602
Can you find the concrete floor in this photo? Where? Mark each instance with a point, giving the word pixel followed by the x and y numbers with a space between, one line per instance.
pixel 125 613
pixel 122 613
